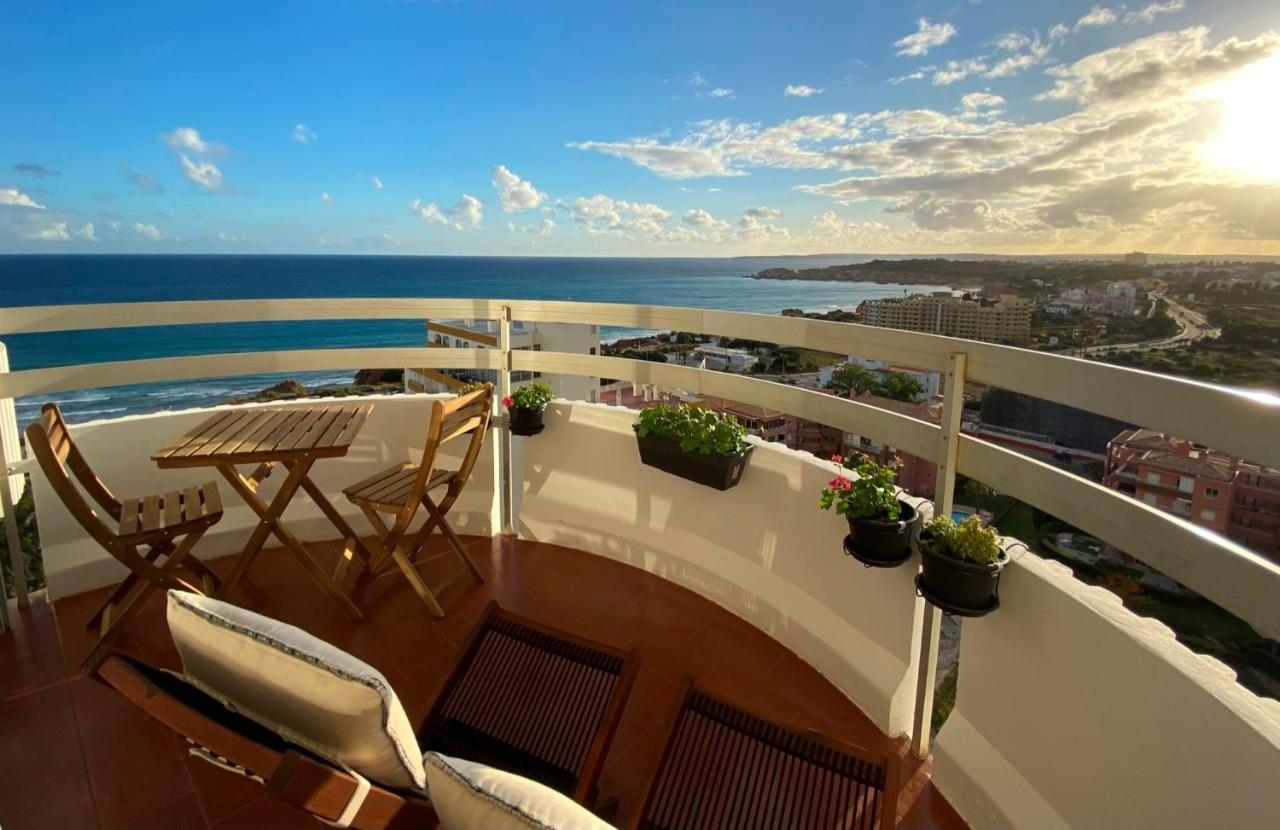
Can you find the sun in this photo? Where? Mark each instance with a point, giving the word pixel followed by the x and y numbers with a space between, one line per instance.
pixel 1246 141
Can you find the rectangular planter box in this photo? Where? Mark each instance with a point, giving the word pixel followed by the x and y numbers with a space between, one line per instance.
pixel 718 471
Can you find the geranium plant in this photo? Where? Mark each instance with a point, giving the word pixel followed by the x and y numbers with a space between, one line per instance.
pixel 870 493
pixel 697 429
pixel 533 397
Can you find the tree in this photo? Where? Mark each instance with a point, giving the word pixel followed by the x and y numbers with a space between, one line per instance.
pixel 897 385
pixel 900 386
pixel 853 377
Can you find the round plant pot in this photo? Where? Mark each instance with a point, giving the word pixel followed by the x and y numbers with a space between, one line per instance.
pixel 957 585
pixel 525 421
pixel 882 544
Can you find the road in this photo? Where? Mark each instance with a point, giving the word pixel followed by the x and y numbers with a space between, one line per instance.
pixel 1192 325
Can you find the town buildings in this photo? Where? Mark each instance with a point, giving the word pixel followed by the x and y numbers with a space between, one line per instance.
pixel 916 475
pixel 1005 320
pixel 1222 493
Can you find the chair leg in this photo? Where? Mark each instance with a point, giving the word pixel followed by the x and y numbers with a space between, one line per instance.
pixel 126 585
pixel 454 541
pixel 154 577
pixel 415 579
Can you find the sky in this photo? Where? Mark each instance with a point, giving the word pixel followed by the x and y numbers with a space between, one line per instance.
pixel 640 129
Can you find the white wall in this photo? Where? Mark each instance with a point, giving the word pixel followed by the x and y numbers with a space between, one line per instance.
pixel 120 453
pixel 763 550
pixel 1074 712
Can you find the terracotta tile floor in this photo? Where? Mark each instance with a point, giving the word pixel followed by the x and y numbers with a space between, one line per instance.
pixel 73 754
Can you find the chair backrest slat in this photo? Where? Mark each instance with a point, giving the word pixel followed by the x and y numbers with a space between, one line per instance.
pixel 63 465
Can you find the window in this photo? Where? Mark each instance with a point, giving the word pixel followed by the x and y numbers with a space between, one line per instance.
pixel 1151 499
pixel 1186 485
pixel 1153 478
pixel 1208 515
pixel 1211 492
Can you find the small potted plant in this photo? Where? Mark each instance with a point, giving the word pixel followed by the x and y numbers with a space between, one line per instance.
pixel 525 406
pixel 880 524
pixel 694 443
pixel 961 566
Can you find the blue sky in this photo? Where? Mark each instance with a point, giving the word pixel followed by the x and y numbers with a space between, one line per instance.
pixel 711 129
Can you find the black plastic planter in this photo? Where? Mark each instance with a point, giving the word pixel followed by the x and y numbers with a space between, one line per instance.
pixel 957 585
pixel 718 471
pixel 881 544
pixel 525 421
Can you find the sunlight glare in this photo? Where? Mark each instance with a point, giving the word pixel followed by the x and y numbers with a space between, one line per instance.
pixel 1246 140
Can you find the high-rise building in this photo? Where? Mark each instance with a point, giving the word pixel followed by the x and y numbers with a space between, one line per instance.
pixel 1006 320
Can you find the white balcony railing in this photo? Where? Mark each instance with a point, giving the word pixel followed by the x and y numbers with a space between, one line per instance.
pixel 1061 688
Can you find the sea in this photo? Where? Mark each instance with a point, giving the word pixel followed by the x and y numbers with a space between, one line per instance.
pixel 54 280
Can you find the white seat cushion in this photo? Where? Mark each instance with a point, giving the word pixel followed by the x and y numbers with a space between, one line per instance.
pixel 470 796
pixel 298 686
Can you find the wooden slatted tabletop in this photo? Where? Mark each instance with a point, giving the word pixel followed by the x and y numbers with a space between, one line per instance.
pixel 251 436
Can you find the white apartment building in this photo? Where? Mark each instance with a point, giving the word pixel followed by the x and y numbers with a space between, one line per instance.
pixel 721 359
pixel 483 334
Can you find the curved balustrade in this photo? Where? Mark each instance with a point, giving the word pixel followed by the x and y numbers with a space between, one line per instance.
pixel 1071 710
pixel 1236 421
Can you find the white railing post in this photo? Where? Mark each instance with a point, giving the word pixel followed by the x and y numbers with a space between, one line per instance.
pixel 943 499
pixel 10 492
pixel 505 442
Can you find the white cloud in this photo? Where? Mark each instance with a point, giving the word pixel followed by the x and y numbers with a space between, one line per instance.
pixel 303 134
pixel 186 143
pixel 150 232
pixel 1149 13
pixel 698 218
pixel 601 214
pixel 981 104
pixel 51 232
pixel 15 197
pixel 1058 32
pixel 87 232
pixel 542 228
pixel 925 38
pixel 514 193
pixel 377 183
pixel 958 70
pixel 204 173
pixel 721 92
pixel 801 91
pixel 467 212
pixel 328 199
pixel 188 139
pixel 1164 64
pixel 762 212
pixel 1097 16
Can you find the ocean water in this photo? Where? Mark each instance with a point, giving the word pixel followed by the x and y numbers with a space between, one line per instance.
pixel 53 280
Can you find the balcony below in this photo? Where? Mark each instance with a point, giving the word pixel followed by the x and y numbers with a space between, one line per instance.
pixel 73 754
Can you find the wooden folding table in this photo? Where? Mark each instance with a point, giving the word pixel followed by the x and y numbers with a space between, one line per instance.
pixel 296 437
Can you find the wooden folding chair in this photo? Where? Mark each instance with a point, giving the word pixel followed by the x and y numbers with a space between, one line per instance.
pixel 402 489
pixel 167 526
pixel 726 769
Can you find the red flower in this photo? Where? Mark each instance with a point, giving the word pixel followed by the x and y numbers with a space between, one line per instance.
pixel 507 401
pixel 839 459
pixel 839 483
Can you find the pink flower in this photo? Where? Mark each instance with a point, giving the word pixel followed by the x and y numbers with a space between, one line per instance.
pixel 507 401
pixel 839 459
pixel 839 483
